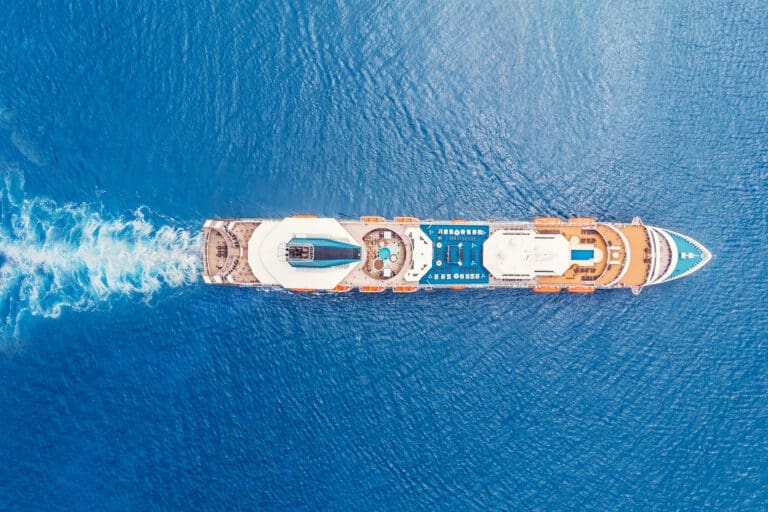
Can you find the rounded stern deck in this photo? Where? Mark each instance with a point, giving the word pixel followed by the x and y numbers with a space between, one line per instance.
pixel 225 252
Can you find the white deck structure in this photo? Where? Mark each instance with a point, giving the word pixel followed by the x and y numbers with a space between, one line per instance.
pixel 267 245
pixel 422 254
pixel 518 254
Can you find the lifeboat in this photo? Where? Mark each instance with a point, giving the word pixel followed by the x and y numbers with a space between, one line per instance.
pixel 341 288
pixel 582 220
pixel 546 289
pixel 581 289
pixel 368 219
pixel 405 289
pixel 406 220
pixel 371 289
pixel 538 221
pixel 304 216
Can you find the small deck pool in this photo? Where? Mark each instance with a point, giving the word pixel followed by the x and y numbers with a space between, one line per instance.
pixel 582 254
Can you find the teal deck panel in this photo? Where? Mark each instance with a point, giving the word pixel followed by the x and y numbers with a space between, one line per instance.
pixel 457 257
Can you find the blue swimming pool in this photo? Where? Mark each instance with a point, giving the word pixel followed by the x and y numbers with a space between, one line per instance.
pixel 582 254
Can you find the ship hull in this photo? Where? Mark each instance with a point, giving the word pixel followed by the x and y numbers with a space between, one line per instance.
pixel 548 255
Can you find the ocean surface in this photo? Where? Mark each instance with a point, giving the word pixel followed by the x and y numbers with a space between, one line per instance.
pixel 128 384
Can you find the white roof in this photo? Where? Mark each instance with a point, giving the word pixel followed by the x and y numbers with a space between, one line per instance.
pixel 267 261
pixel 525 254
pixel 421 261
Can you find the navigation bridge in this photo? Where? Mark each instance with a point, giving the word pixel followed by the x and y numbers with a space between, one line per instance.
pixel 373 254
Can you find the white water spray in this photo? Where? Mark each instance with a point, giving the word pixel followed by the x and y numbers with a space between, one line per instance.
pixel 74 256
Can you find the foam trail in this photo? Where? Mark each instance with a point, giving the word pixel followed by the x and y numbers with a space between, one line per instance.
pixel 74 256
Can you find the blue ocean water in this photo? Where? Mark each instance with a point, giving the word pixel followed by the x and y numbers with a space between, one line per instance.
pixel 127 384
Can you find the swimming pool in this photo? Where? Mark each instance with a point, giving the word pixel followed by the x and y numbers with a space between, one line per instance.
pixel 582 254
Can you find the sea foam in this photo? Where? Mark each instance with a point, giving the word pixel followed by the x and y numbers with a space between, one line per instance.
pixel 58 256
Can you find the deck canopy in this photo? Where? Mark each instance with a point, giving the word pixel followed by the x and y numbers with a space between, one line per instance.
pixel 421 246
pixel 320 252
pixel 524 254
pixel 267 253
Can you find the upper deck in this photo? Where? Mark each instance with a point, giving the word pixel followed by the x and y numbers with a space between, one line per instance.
pixel 405 254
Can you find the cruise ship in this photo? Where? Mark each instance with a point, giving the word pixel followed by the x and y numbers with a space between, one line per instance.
pixel 306 253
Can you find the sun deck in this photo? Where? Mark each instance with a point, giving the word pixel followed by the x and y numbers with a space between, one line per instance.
pixel 225 252
pixel 638 241
pixel 616 255
pixel 579 273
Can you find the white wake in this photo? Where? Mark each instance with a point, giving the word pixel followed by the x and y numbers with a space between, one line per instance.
pixel 57 256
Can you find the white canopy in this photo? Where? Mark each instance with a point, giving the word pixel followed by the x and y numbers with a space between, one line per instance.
pixel 421 261
pixel 266 253
pixel 518 254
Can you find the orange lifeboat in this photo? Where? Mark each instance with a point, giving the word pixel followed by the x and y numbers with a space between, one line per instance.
pixel 406 220
pixel 406 289
pixel 372 219
pixel 458 221
pixel 371 289
pixel 581 220
pixel 459 287
pixel 304 216
pixel 341 288
pixel 546 289
pixel 302 290
pixel 546 220
pixel 581 289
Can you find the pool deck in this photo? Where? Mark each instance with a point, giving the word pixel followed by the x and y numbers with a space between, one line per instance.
pixel 579 274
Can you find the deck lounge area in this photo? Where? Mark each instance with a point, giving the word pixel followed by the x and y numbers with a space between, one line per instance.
pixel 225 253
